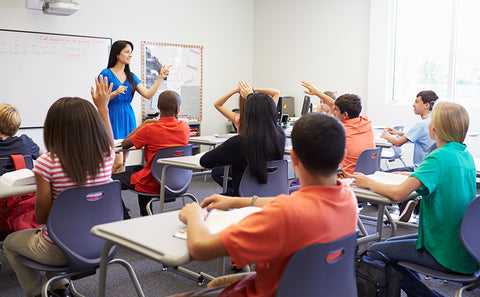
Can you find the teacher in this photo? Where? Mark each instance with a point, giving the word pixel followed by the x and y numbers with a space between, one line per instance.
pixel 125 83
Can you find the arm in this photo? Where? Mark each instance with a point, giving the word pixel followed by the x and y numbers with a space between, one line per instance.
pixel 148 93
pixel 394 132
pixel 202 245
pixel 43 200
pixel 394 192
pixel 127 142
pixel 101 96
pixel 274 93
pixel 311 90
pixel 225 202
pixel 394 140
pixel 230 115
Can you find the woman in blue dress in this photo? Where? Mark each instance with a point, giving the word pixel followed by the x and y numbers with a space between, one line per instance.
pixel 125 83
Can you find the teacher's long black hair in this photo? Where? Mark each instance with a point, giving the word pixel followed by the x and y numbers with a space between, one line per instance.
pixel 117 47
pixel 262 137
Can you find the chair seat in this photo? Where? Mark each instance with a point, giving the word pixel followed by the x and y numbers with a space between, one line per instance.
pixel 39 266
pixel 454 277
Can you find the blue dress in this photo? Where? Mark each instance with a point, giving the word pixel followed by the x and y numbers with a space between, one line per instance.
pixel 120 109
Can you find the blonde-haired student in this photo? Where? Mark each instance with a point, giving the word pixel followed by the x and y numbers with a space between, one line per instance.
pixel 446 181
pixel 79 141
pixel 10 144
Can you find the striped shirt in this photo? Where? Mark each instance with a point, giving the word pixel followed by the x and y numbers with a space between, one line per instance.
pixel 51 170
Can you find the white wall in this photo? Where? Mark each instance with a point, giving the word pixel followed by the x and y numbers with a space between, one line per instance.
pixel 223 27
pixel 323 41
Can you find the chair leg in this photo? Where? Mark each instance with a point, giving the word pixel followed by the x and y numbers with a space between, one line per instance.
pixel 149 205
pixel 49 282
pixel 132 274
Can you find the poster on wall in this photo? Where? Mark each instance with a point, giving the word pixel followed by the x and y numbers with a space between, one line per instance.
pixel 185 78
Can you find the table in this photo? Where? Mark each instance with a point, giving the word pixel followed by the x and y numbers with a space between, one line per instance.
pixel 210 140
pixel 151 236
pixel 367 195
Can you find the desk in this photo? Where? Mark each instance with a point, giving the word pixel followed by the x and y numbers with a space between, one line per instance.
pixel 210 140
pixel 373 197
pixel 7 191
pixel 383 143
pixel 151 236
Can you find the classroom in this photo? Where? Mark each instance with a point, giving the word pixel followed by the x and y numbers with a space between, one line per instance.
pixel 345 46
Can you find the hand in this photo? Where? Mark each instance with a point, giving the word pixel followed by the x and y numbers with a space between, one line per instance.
pixel 360 180
pixel 120 90
pixel 217 201
pixel 391 131
pixel 101 94
pixel 245 89
pixel 311 90
pixel 165 71
pixel 385 134
pixel 192 211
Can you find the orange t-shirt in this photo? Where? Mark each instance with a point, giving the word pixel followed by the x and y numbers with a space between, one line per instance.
pixel 166 132
pixel 359 137
pixel 314 214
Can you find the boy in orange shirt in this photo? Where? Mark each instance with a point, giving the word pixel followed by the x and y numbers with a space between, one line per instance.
pixel 323 210
pixel 358 129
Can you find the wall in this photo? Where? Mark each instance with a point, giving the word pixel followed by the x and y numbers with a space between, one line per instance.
pixel 223 27
pixel 322 41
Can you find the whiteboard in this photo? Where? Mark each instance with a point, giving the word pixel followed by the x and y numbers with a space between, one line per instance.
pixel 39 68
pixel 185 78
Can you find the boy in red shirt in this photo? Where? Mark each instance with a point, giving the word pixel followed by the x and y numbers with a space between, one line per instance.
pixel 152 136
pixel 323 210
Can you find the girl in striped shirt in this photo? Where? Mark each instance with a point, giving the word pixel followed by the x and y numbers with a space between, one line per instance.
pixel 79 142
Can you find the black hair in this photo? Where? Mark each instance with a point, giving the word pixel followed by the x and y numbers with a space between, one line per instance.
pixel 350 103
pixel 115 50
pixel 429 97
pixel 262 138
pixel 318 139
pixel 168 101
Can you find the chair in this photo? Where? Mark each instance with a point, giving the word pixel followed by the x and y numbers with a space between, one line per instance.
pixel 369 161
pixel 470 238
pixel 74 212
pixel 277 181
pixel 7 164
pixel 177 180
pixel 310 273
pixel 395 152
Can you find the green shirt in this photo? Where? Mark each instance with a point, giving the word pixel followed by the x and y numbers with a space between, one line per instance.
pixel 448 176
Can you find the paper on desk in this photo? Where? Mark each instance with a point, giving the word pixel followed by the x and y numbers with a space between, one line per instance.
pixel 19 177
pixel 388 178
pixel 217 220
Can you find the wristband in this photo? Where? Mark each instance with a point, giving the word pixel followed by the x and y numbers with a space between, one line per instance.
pixel 253 200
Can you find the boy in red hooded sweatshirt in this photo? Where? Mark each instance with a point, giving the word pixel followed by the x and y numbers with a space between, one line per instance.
pixel 358 129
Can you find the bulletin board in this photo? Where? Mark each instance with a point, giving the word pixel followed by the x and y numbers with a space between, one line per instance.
pixel 39 68
pixel 185 78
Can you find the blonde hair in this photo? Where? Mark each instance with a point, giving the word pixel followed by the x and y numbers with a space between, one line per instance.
pixel 450 121
pixel 10 119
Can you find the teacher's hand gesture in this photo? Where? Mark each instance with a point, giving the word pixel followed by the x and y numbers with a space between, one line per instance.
pixel 165 71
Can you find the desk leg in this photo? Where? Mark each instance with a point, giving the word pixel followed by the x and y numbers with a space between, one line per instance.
pixel 103 268
pixel 381 211
pixel 225 178
pixel 162 186
pixel 392 222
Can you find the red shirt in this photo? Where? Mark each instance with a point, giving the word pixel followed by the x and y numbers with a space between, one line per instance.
pixel 360 137
pixel 166 132
pixel 314 214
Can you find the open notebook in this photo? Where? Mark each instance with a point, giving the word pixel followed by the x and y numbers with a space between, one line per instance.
pixel 217 220
pixel 19 177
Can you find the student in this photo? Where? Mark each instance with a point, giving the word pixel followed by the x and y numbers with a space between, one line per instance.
pixel 75 157
pixel 261 140
pixel 237 118
pixel 358 129
pixel 324 209
pixel 446 181
pixel 10 144
pixel 125 83
pixel 422 106
pixel 323 106
pixel 152 136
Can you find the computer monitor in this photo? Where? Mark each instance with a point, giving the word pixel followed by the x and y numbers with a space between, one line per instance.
pixel 279 109
pixel 306 105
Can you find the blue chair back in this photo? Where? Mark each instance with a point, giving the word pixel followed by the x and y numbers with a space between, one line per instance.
pixel 74 212
pixel 277 181
pixel 7 165
pixel 369 161
pixel 177 179
pixel 469 234
pixel 310 273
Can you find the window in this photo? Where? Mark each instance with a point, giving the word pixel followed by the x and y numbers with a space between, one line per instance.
pixel 437 47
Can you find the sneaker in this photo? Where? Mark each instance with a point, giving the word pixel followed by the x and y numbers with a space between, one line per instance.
pixel 407 211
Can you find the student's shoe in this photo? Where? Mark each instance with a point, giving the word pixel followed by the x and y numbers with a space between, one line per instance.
pixel 63 292
pixel 407 211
